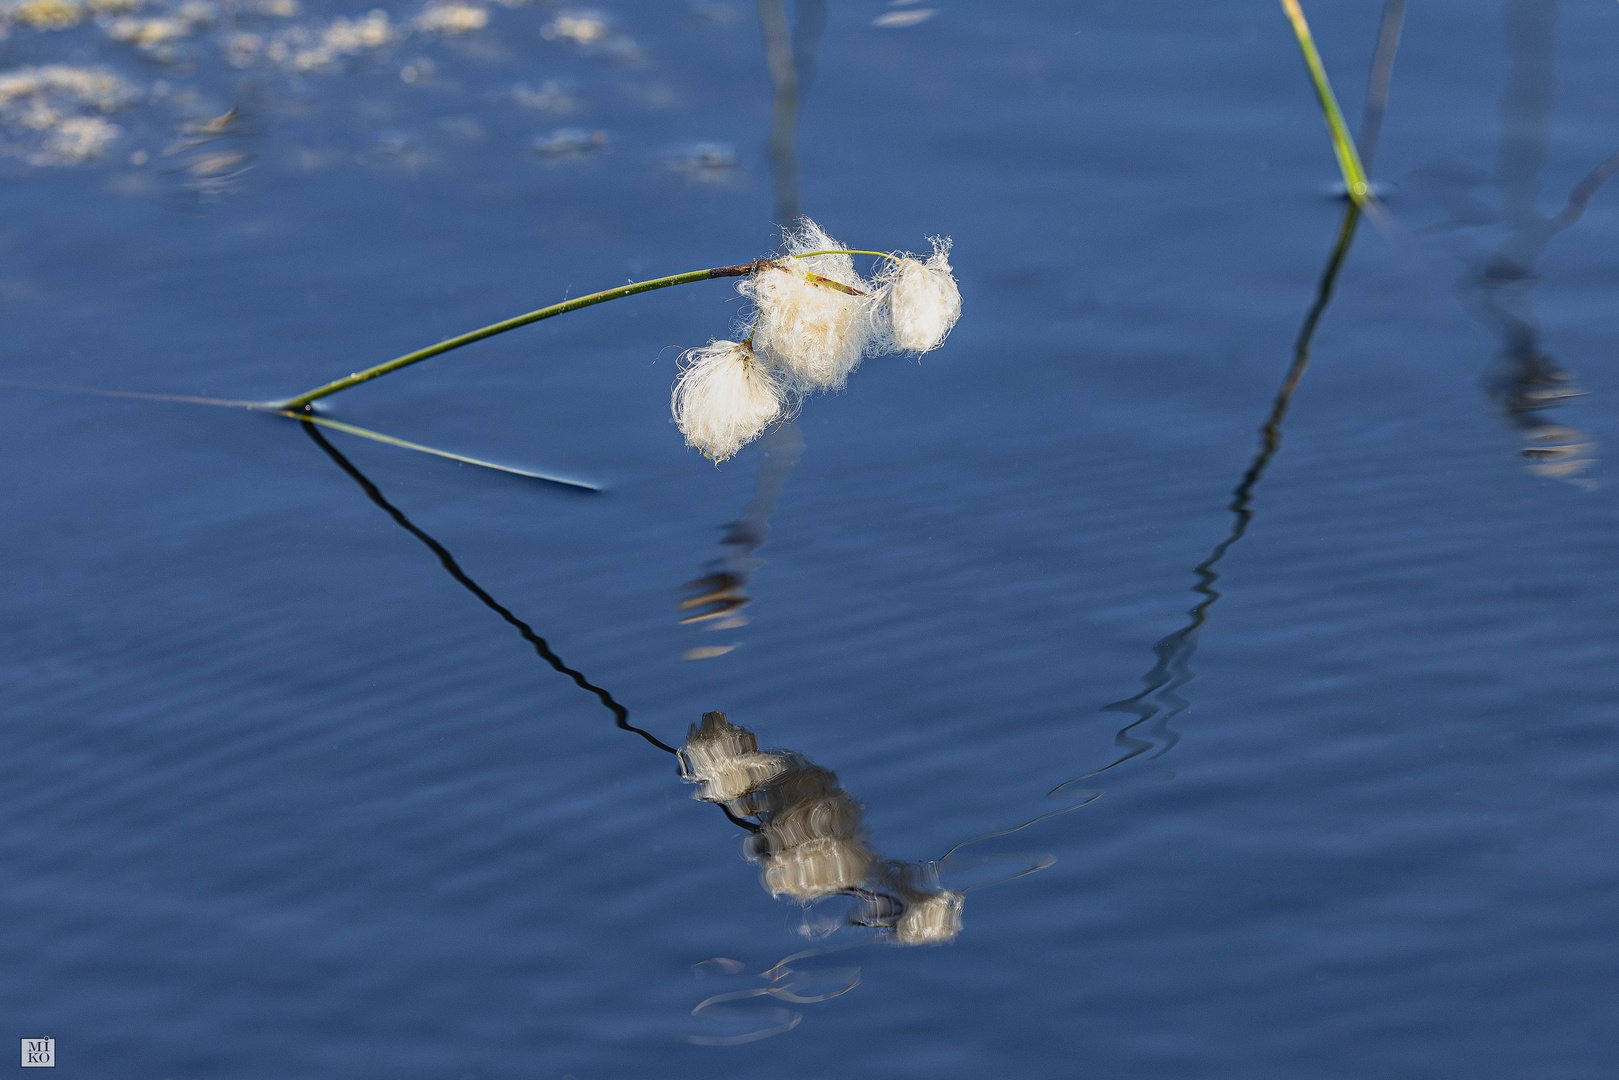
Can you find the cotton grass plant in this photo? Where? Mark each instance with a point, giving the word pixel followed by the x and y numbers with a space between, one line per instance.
pixel 812 321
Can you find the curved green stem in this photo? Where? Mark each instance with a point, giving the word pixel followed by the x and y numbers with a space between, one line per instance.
pixel 846 251
pixel 302 400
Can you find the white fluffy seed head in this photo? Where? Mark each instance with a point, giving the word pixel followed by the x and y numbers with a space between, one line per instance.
pixel 922 301
pixel 814 333
pixel 725 397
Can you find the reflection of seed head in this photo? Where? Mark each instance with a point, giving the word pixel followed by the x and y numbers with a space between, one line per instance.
pixel 930 919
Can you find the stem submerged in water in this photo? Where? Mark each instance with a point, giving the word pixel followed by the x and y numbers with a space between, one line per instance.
pixel 303 400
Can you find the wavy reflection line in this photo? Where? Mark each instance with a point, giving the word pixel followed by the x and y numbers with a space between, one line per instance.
pixel 783 983
pixel 1159 702
pixel 1085 799
pixel 621 715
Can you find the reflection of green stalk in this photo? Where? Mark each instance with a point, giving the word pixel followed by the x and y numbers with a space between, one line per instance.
pixel 1159 702
pixel 1343 144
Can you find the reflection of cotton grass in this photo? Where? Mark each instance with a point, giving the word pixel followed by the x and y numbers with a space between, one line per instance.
pixel 808 835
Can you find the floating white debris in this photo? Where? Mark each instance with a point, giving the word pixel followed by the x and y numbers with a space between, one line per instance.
pixel 897 19
pixel 705 160
pixel 569 142
pixel 452 19
pixel 580 27
pixel 303 49
pixel 75 139
pixel 552 96
pixel 43 14
pixel 57 105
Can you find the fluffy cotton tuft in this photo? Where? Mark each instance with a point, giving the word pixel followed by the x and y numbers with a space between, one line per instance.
pixel 922 301
pixel 812 332
pixel 724 398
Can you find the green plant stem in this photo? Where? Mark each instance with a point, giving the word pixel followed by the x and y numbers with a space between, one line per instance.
pixel 303 400
pixel 845 251
pixel 377 436
pixel 1343 144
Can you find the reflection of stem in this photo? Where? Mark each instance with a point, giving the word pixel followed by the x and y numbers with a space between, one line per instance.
pixel 621 715
pixel 719 596
pixel 1581 195
pixel 1087 798
pixel 784 108
pixel 1159 700
pixel 1377 90
pixel 1533 381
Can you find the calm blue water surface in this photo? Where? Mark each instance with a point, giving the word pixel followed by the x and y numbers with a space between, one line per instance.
pixel 282 798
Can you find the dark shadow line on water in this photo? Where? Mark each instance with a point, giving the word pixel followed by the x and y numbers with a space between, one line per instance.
pixel 1174 652
pixel 621 715
pixel 1158 703
pixel 1580 197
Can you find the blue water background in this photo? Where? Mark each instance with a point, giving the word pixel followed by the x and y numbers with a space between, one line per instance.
pixel 281 798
